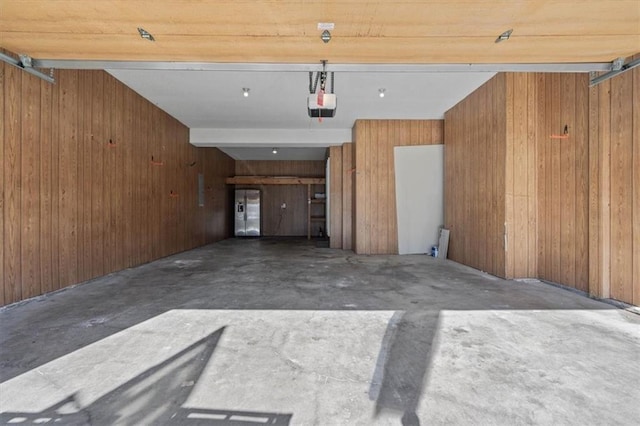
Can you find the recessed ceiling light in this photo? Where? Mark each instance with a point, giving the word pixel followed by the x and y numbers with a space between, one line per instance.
pixel 145 34
pixel 381 92
pixel 274 150
pixel 504 36
pixel 245 92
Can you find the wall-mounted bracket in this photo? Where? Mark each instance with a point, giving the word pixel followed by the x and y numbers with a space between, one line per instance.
pixel 616 69
pixel 25 63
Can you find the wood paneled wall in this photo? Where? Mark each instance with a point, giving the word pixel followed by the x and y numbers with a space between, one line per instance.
pixel 614 189
pixel 524 215
pixel 80 194
pixel 475 172
pixel 341 193
pixel 571 198
pixel 563 176
pixel 291 221
pixel 348 195
pixel 522 133
pixel 376 228
pixel 335 196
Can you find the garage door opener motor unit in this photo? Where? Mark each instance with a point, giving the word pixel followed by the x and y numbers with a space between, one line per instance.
pixel 321 104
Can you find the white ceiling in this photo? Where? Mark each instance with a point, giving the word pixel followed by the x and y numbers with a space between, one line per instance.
pixel 212 105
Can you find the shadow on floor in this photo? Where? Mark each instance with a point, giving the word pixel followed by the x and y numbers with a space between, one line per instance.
pixel 402 363
pixel 260 275
pixel 155 396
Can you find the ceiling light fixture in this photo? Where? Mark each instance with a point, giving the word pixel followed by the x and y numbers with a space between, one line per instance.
pixel 381 92
pixel 145 34
pixel 245 92
pixel 274 150
pixel 504 36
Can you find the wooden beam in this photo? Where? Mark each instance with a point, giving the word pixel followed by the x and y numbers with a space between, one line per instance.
pixel 271 180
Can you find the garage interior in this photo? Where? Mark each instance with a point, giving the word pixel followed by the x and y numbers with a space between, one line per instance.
pixel 127 300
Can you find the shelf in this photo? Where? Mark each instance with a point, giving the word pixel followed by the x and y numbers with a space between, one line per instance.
pixel 274 180
pixel 318 201
pixel 318 218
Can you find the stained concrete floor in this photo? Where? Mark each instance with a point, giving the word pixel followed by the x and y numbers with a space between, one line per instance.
pixel 249 332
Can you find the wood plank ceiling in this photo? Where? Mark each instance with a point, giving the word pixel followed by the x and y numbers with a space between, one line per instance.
pixel 366 31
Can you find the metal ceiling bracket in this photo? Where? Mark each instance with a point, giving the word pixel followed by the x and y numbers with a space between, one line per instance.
pixel 617 64
pixel 622 68
pixel 25 63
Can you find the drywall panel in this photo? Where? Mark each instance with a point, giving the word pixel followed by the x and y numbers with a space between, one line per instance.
pixel 375 223
pixel 419 196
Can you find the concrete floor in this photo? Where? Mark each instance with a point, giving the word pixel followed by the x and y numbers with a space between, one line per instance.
pixel 248 332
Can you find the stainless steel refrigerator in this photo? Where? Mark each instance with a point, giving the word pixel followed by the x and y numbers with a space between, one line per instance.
pixel 247 213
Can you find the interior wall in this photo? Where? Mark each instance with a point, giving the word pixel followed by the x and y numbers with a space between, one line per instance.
pixel 475 172
pixel 95 179
pixel 419 173
pixel 563 176
pixel 614 189
pixel 335 195
pixel 348 195
pixel 375 224
pixel 291 221
pixel 523 130
pixel 571 197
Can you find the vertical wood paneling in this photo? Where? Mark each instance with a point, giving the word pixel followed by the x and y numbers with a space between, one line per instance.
pixel 348 177
pixel 98 148
pixel 68 177
pixel 478 123
pixel 3 166
pixel 556 179
pixel 335 194
pixel 499 174
pixel 604 138
pixel 109 160
pixel 532 129
pixel 30 188
pixel 636 184
pixel 567 174
pixel 635 135
pixel 595 177
pixel 581 133
pixel 513 240
pixel 582 200
pixel 75 206
pixel 544 168
pixel 12 175
pixel 46 192
pixel 117 190
pixel 614 251
pixel 375 205
pixel 84 183
pixel 291 221
pixel 546 220
pixel 621 188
